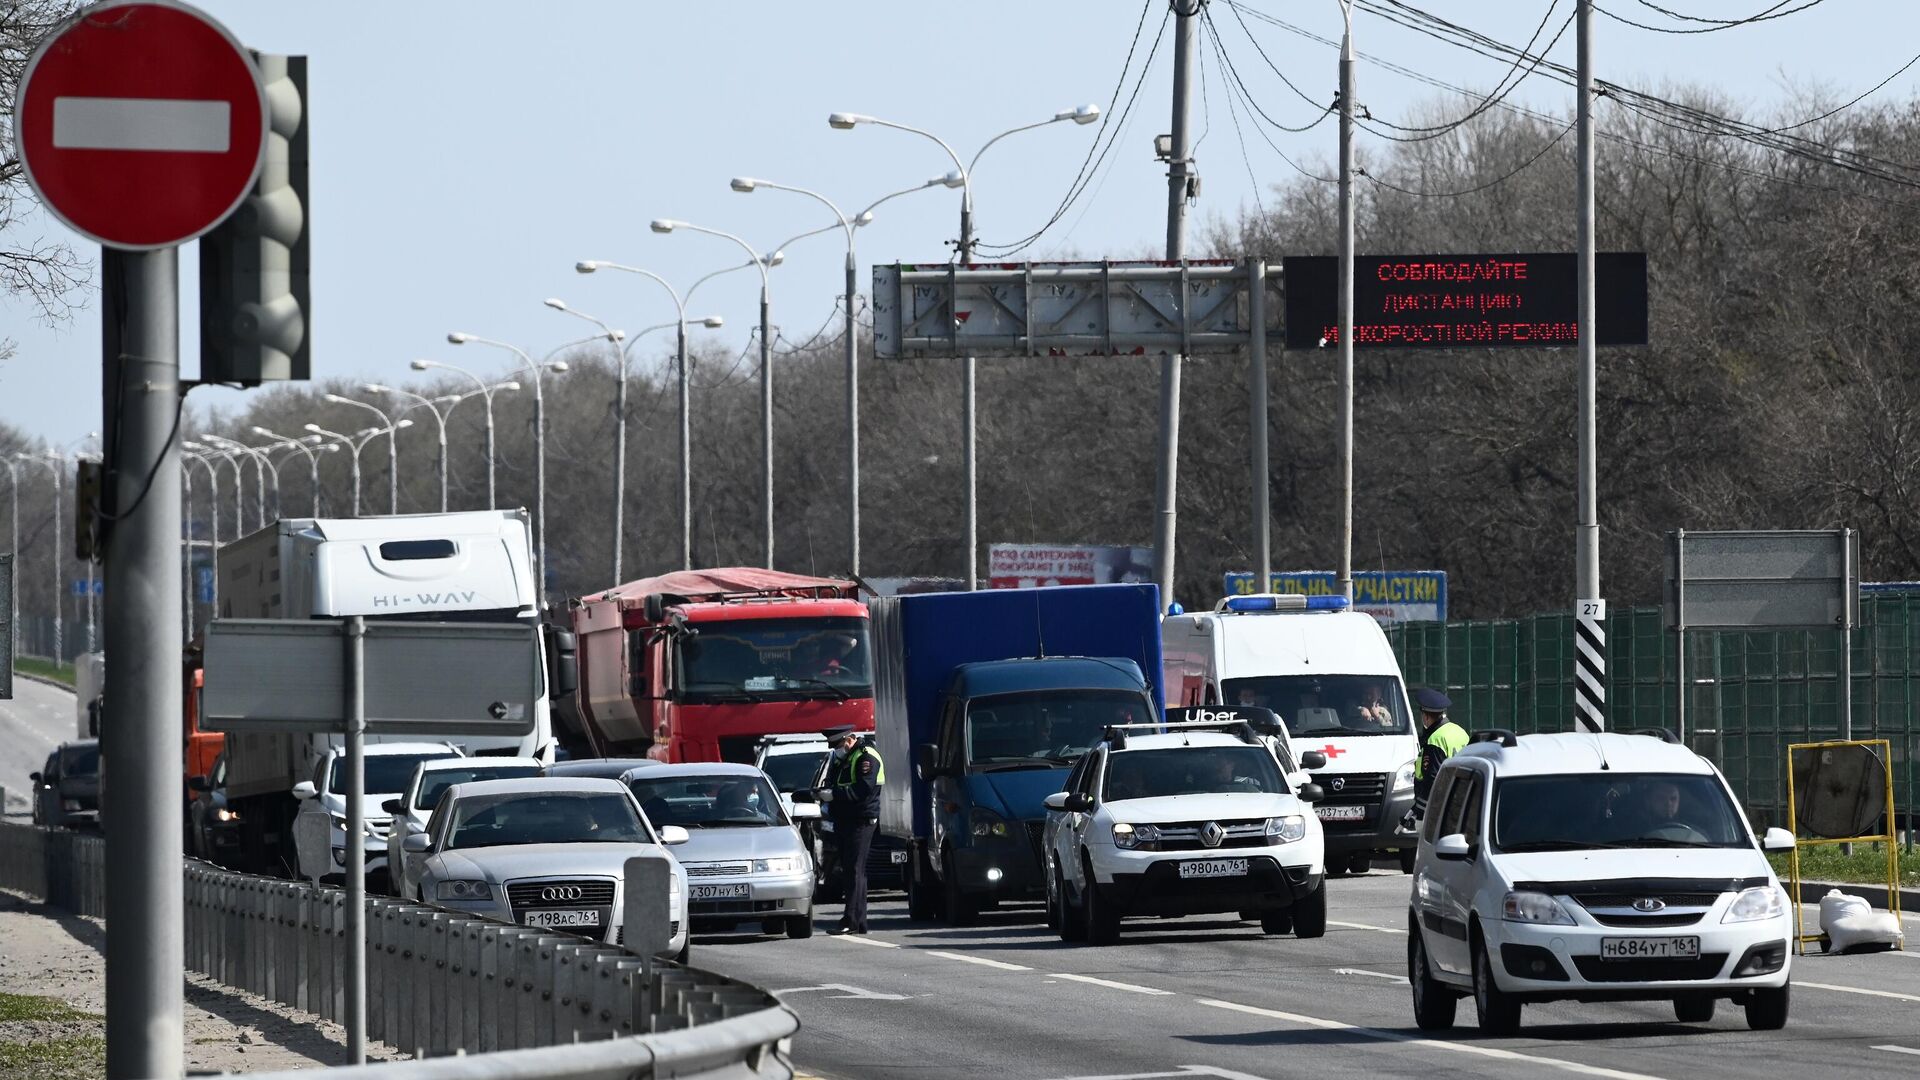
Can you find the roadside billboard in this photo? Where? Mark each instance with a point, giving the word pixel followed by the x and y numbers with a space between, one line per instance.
pixel 1027 566
pixel 1391 596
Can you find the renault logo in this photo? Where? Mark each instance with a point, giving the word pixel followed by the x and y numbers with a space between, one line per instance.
pixel 1649 904
pixel 1211 834
pixel 560 892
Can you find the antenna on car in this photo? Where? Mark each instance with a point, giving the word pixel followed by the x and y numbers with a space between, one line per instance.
pixel 1039 628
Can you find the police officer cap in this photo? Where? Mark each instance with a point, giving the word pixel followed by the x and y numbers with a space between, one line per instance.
pixel 835 734
pixel 1432 701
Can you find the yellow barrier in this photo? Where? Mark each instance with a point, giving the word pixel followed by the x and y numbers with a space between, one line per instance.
pixel 1882 750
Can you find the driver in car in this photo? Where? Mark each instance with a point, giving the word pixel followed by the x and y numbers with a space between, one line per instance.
pixel 1217 776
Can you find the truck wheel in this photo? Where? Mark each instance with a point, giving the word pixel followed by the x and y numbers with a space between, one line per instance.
pixel 923 902
pixel 962 909
pixel 1360 862
pixel 1102 918
pixel 1310 914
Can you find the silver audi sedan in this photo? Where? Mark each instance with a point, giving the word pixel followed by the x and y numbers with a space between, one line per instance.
pixel 546 852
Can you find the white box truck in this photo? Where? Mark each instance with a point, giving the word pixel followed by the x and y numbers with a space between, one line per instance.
pixel 472 566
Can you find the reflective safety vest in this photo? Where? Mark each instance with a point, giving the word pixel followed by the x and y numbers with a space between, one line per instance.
pixel 849 775
pixel 1449 738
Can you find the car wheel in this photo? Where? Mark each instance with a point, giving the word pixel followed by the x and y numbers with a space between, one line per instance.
pixel 1276 922
pixel 1433 1004
pixel 1054 894
pixel 1406 859
pixel 1767 1009
pixel 1073 917
pixel 800 926
pixel 1249 916
pixel 923 901
pixel 1691 1010
pixel 1103 919
pixel 962 909
pixel 1309 914
pixel 1498 1011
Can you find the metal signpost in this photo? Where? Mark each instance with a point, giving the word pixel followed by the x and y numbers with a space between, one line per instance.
pixel 6 636
pixel 140 125
pixel 645 932
pixel 1769 579
pixel 354 678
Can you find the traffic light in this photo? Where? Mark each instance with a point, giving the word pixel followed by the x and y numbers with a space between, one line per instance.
pixel 256 314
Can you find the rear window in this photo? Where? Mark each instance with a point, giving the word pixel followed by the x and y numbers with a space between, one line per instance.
pixel 433 783
pixel 406 550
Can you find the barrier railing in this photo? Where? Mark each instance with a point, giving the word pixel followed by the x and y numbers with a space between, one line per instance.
pixel 439 982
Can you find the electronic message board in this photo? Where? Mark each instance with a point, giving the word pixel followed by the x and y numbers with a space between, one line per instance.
pixel 1528 301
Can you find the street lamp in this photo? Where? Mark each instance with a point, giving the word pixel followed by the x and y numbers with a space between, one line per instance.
pixel 13 548
pixel 309 446
pixel 619 425
pixel 355 443
pixel 213 456
pixel 486 389
pixel 1085 114
pixel 539 441
pixel 195 452
pixel 53 461
pixel 260 468
pixel 439 418
pixel 393 446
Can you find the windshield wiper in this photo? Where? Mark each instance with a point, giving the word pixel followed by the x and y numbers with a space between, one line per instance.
pixel 1551 845
pixel 1661 842
pixel 836 691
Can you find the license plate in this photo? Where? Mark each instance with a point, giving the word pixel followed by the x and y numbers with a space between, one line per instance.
pixel 1214 868
pixel 722 892
pixel 1650 948
pixel 899 858
pixel 1340 813
pixel 563 918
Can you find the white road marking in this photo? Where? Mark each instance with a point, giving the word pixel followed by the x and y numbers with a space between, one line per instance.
pixel 1857 990
pixel 1110 984
pixel 1184 1070
pixel 1432 1044
pixel 1365 926
pixel 89 123
pixel 981 960
pixel 862 939
pixel 1401 979
pixel 846 991
pixel 1899 1050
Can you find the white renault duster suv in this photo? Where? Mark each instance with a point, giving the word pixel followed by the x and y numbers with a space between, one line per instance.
pixel 1182 819
pixel 1593 868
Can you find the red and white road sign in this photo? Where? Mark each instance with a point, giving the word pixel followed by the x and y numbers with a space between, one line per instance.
pixel 142 123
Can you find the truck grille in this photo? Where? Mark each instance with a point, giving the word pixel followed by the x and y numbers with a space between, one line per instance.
pixel 1353 787
pixel 523 895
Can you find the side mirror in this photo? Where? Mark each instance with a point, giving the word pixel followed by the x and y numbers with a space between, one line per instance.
pixel 1311 793
pixel 1078 802
pixel 304 790
pixel 926 761
pixel 416 843
pixel 1777 839
pixel 199 783
pixel 805 795
pixel 563 661
pixel 1313 759
pixel 1056 801
pixel 673 835
pixel 806 812
pixel 34 776
pixel 393 806
pixel 1453 847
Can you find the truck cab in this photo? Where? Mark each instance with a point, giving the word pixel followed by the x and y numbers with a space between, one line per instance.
pixel 1333 679
pixel 1008 733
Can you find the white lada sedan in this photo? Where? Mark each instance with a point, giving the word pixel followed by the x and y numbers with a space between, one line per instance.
pixel 544 852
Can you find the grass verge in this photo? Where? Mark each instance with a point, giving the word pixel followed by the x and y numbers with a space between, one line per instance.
pixel 1866 866
pixel 28 1007
pixel 43 1038
pixel 46 669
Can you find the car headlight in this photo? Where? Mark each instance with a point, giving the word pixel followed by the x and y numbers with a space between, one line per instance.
pixel 463 890
pixel 1755 904
pixel 224 814
pixel 1285 830
pixel 1534 907
pixel 790 864
pixel 1136 837
pixel 987 823
pixel 1403 778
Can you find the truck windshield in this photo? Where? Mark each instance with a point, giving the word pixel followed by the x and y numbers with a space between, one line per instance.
pixel 1614 810
pixel 386 774
pixel 760 659
pixel 1191 770
pixel 720 801
pixel 433 783
pixel 1045 729
pixel 1326 704
pixel 549 819
pixel 791 772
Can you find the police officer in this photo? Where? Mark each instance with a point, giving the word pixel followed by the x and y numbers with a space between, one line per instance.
pixel 1440 739
pixel 853 804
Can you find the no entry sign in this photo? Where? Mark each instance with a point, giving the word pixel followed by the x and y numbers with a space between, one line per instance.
pixel 141 123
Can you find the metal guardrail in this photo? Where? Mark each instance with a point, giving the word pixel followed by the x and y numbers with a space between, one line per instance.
pixel 440 982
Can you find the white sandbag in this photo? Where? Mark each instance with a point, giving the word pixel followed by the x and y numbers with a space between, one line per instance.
pixel 1851 924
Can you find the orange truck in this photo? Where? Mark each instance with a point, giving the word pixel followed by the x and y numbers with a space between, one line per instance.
pixel 697 665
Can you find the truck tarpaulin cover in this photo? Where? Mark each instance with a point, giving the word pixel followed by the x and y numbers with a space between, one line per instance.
pixel 728 581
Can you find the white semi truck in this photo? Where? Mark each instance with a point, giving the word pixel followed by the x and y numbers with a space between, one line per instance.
pixel 457 567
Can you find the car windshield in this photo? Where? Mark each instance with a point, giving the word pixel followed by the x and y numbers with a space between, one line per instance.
pixel 1615 810
pixel 385 773
pixel 791 772
pixel 1191 770
pixel 433 783
pixel 1335 705
pixel 718 801
pixel 548 818
pixel 760 659
pixel 1045 729
pixel 80 761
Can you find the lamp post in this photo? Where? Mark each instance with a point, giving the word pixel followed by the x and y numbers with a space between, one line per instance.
pixel 619 425
pixel 13 548
pixel 1085 114
pixel 52 460
pixel 392 431
pixel 539 441
pixel 311 446
pixel 355 443
pixel 439 418
pixel 214 457
pixel 188 456
pixel 261 467
pixel 486 390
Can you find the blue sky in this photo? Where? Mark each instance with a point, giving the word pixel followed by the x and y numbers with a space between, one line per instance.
pixel 466 155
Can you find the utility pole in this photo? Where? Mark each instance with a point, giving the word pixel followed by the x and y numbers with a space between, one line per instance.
pixel 970 442
pixel 1178 169
pixel 1590 608
pixel 686 451
pixel 853 419
pixel 1346 303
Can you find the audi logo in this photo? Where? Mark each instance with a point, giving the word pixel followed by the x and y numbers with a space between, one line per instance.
pixel 560 892
pixel 1649 903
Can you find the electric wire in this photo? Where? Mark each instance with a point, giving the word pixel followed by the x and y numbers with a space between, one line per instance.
pixel 1233 111
pixel 1246 97
pixel 1325 110
pixel 1713 25
pixel 1500 90
pixel 1495 182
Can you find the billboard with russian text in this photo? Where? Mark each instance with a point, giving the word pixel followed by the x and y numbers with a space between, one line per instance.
pixel 1391 596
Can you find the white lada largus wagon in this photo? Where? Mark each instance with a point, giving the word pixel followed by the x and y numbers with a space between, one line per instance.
pixel 1593 868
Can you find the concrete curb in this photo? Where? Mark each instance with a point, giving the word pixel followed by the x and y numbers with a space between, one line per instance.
pixel 1812 891
pixel 44 681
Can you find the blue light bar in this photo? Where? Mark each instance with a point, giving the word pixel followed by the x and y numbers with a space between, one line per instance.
pixel 1283 602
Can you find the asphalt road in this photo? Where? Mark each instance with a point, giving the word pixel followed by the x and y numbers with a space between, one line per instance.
pixel 39 718
pixel 1212 997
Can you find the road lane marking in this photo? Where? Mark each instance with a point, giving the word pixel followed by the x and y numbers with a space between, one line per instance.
pixel 1435 1044
pixel 1365 926
pixel 1110 984
pixel 1401 979
pixel 1857 990
pixel 1899 1050
pixel 854 992
pixel 981 960
pixel 1184 1070
pixel 862 939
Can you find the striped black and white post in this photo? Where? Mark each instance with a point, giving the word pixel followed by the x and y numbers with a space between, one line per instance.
pixel 1590 665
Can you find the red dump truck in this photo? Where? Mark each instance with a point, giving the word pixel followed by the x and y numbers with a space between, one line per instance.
pixel 697 665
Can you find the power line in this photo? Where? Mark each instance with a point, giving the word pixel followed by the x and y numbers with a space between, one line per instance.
pixel 1495 182
pixel 1500 89
pixel 1233 111
pixel 1713 25
pixel 1247 98
pixel 1325 110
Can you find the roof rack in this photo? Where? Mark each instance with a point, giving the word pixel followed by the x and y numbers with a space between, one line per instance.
pixel 1665 735
pixel 1116 734
pixel 1502 736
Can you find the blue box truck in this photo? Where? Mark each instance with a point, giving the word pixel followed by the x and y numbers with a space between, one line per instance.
pixel 983 702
